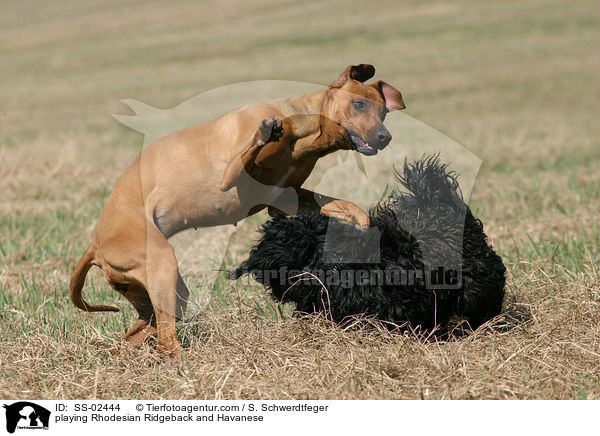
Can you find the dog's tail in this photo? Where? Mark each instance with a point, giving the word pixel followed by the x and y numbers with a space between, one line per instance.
pixel 77 281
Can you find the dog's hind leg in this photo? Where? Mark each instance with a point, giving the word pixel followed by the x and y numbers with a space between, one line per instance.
pixel 163 282
pixel 141 332
pixel 145 327
pixel 143 259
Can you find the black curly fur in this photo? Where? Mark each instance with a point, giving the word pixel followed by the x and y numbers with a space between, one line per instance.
pixel 427 227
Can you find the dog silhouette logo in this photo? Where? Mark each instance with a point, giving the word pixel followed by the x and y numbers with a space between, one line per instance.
pixel 26 415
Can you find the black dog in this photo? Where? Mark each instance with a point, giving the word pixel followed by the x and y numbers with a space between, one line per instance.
pixel 424 260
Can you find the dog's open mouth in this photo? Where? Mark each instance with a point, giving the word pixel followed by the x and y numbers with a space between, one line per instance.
pixel 360 145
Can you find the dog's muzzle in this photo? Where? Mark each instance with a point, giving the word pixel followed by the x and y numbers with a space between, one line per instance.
pixel 383 138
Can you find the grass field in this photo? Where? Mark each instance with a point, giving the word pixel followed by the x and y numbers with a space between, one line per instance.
pixel 515 82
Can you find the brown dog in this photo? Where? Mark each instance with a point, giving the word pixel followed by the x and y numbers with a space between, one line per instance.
pixel 218 173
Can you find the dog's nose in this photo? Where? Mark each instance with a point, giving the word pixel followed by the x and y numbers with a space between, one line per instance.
pixel 383 137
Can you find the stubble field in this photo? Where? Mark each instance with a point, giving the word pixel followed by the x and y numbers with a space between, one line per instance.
pixel 514 82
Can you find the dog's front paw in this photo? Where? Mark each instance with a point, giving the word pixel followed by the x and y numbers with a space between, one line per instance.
pixel 353 214
pixel 270 131
pixel 347 211
pixel 359 217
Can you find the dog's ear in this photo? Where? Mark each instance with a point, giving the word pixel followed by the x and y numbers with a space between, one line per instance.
pixel 360 72
pixel 392 97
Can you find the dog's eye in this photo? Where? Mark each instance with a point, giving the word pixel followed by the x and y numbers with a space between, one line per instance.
pixel 359 105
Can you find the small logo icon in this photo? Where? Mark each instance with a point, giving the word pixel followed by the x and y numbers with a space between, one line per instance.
pixel 26 415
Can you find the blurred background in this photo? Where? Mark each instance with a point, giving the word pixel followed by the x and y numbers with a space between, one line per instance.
pixel 515 82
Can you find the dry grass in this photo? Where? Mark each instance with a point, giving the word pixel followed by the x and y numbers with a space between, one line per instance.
pixel 515 82
pixel 540 348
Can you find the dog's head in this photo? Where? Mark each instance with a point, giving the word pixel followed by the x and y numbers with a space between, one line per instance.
pixel 360 109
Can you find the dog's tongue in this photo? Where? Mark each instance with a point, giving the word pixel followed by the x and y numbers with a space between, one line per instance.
pixel 362 146
pixel 358 141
